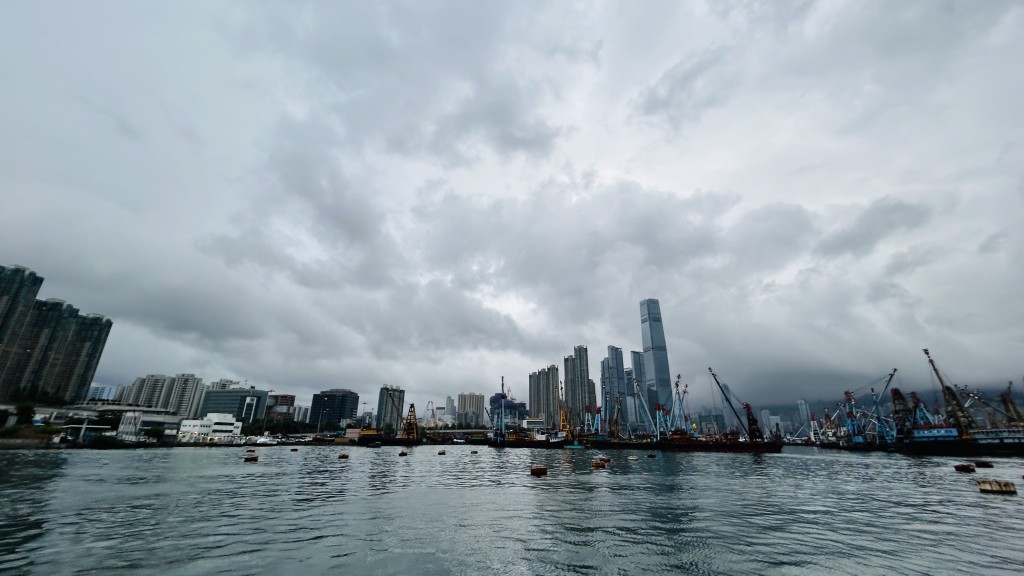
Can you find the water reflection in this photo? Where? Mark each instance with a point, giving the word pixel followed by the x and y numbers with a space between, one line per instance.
pixel 202 511
pixel 27 481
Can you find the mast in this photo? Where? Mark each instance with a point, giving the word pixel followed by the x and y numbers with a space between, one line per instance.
pixel 729 402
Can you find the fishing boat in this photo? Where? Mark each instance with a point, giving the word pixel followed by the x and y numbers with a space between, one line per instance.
pixel 955 432
pixel 674 433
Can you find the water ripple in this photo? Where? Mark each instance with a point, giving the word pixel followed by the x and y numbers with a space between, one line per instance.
pixel 204 511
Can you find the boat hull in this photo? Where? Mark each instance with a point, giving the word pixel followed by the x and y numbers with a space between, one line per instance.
pixel 961 448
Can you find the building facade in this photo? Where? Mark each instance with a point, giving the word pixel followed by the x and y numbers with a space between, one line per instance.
pixel 245 404
pixel 48 350
pixel 471 409
pixel 335 407
pixel 578 393
pixel 390 404
pixel 544 400
pixel 101 393
pixel 211 428
pixel 657 377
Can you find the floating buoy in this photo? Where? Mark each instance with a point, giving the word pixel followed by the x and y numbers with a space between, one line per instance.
pixel 472 452
pixel 964 467
pixel 597 464
pixel 632 457
pixel 252 458
pixel 538 471
pixel 342 456
pixel 295 449
pixel 605 459
pixel 403 453
pixel 441 452
pixel 652 455
pixel 250 450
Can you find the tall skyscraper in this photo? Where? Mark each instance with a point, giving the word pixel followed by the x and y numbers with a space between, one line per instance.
pixel 471 409
pixel 658 378
pixel 336 406
pixel 614 389
pixel 390 406
pixel 544 395
pixel 48 351
pixel 578 393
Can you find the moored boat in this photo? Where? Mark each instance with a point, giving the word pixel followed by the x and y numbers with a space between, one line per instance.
pixel 955 433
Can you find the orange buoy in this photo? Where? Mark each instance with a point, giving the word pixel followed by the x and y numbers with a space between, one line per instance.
pixel 605 459
pixel 538 471
pixel 597 464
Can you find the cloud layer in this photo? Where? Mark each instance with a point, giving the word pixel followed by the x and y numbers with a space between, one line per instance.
pixel 434 196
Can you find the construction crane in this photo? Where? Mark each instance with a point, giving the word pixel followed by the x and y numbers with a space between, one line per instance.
pixel 411 428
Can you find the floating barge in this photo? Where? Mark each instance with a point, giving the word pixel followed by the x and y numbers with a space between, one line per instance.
pixel 996 487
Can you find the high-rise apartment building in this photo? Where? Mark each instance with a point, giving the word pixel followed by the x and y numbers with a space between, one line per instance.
pixel 578 393
pixel 471 409
pixel 804 410
pixel 657 377
pixel 544 398
pixel 390 406
pixel 101 393
pixel 48 350
pixel 186 395
pixel 338 406
pixel 614 389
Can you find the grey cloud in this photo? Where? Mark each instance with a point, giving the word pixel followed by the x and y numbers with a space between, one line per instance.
pixel 909 260
pixel 439 194
pixel 879 220
pixel 993 243
pixel 407 78
pixel 120 123
pixel 683 93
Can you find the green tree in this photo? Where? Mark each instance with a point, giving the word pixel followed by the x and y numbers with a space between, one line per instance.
pixel 25 412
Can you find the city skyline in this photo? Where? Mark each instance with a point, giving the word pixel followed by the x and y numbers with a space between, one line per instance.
pixel 439 196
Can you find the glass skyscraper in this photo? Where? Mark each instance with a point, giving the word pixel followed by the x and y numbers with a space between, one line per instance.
pixel 657 377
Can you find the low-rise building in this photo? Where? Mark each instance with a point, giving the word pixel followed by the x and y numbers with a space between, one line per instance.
pixel 213 427
pixel 135 425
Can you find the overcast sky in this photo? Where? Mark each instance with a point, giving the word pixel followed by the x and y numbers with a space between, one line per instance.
pixel 438 194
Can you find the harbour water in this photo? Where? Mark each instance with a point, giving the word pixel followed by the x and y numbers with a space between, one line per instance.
pixel 204 511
